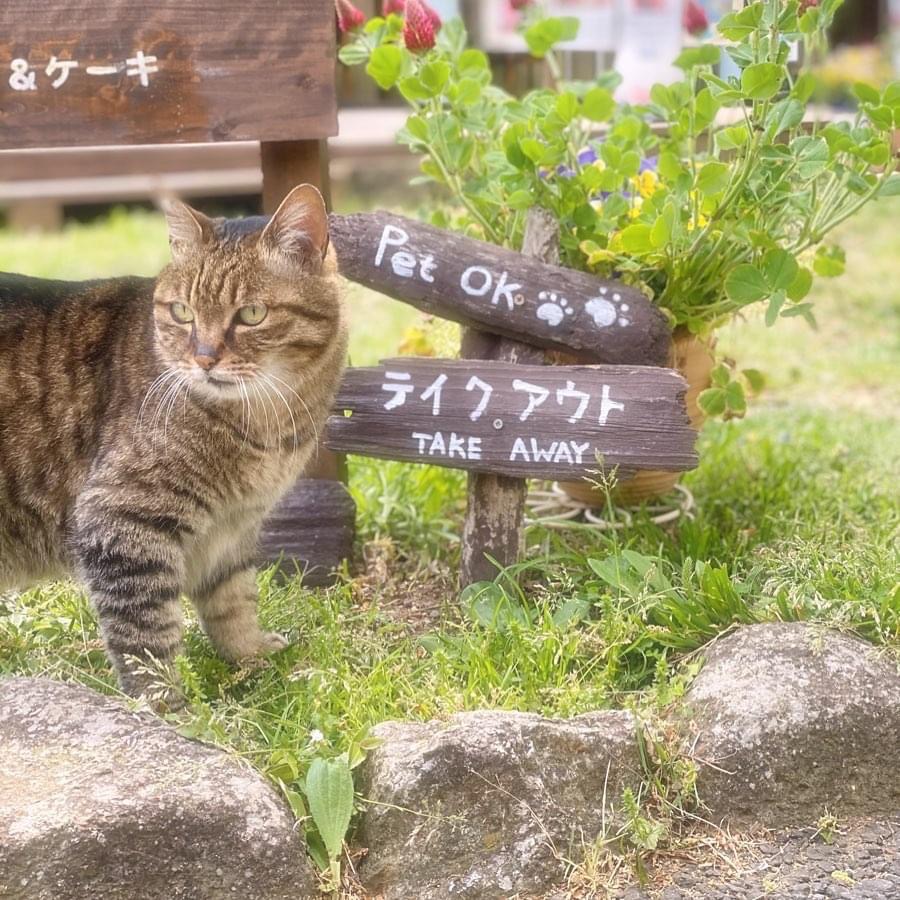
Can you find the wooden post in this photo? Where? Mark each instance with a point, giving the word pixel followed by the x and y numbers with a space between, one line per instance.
pixel 314 524
pixel 495 504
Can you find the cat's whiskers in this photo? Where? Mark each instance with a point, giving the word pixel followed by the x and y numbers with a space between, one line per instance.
pixel 265 411
pixel 183 382
pixel 269 375
pixel 267 381
pixel 155 386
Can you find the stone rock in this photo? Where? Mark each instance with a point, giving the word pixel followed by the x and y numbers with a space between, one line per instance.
pixel 786 719
pixel 97 801
pixel 489 804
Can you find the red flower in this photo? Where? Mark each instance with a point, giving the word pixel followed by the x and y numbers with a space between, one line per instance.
pixel 694 18
pixel 520 4
pixel 421 26
pixel 349 18
pixel 806 4
pixel 393 6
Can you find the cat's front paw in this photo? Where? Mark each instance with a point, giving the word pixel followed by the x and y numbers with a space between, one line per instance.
pixel 261 644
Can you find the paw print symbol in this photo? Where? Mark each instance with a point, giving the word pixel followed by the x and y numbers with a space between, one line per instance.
pixel 554 309
pixel 606 310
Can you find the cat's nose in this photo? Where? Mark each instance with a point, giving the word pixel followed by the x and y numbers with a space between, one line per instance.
pixel 206 356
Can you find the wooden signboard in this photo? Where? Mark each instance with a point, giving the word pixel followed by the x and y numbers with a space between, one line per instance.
pixel 556 422
pixel 93 72
pixel 501 291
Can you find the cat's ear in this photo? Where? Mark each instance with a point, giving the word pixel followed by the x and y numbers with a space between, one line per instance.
pixel 189 229
pixel 297 235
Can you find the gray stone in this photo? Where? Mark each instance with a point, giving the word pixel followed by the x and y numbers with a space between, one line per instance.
pixel 787 719
pixel 489 804
pixel 101 802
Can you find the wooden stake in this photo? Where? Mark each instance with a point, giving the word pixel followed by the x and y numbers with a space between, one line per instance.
pixel 495 507
pixel 317 541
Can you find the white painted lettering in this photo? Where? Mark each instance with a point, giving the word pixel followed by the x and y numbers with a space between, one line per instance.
pixel 542 455
pixel 423 439
pixel 456 446
pixel 426 267
pixel 563 453
pixel 466 281
pixel 519 449
pixel 505 290
pixel 400 391
pixel 434 390
pixel 390 237
pixel 404 264
pixel 579 451
pixel 607 406
pixel 536 396
pixel 474 448
pixel 486 389
pixel 437 445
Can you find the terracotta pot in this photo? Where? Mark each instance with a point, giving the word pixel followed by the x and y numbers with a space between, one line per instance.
pixel 692 357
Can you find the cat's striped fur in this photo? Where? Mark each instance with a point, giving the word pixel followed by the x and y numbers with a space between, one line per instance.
pixel 141 453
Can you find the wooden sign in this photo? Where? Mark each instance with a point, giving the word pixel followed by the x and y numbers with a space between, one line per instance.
pixel 499 290
pixel 526 421
pixel 81 72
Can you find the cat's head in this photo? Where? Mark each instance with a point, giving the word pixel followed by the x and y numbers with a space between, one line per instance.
pixel 247 299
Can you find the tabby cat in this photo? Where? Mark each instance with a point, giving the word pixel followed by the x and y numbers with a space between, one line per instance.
pixel 148 426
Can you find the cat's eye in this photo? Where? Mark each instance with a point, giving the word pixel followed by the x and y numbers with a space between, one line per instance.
pixel 182 314
pixel 252 314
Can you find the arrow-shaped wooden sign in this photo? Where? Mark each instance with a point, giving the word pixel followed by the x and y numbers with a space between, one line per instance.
pixel 500 291
pixel 557 422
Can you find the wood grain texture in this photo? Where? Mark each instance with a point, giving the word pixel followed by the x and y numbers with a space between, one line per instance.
pixel 227 70
pixel 508 293
pixel 311 530
pixel 645 425
pixel 494 526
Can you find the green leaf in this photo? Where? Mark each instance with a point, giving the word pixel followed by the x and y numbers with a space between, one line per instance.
pixel 385 65
pixel 804 87
pixel 533 149
pixel 660 232
pixel 755 380
pixel 746 284
pixel 829 262
pixel 566 106
pixel 801 309
pixel 520 200
pixel 435 75
pixel 705 108
pixel 472 63
pixel 704 55
pixel 598 104
pixel 735 399
pixel 669 165
pixel 891 95
pixel 780 269
pixel 882 117
pixel 762 80
pixel 866 93
pixel 414 88
pixel 720 375
pixel 811 154
pixel 785 114
pixel 417 127
pixel 801 284
pixel 637 238
pixel 712 178
pixel 775 303
pixel 890 186
pixel 544 34
pixel 732 137
pixel 354 54
pixel 329 792
pixel 712 401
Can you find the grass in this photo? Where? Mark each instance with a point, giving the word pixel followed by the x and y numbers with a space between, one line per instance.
pixel 797 518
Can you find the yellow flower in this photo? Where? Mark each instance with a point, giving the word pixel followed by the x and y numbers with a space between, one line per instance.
pixel 646 183
pixel 599 165
pixel 635 210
